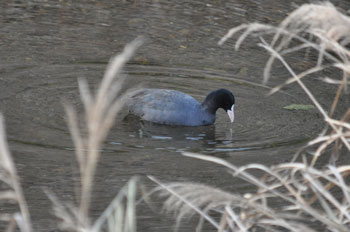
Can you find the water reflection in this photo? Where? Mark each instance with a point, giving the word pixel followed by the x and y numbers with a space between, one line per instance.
pixel 157 136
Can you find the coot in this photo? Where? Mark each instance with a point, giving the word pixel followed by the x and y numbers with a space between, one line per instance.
pixel 173 107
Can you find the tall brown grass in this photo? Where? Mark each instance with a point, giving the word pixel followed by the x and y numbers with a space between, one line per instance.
pixel 307 195
pixel 99 114
pixel 100 110
pixel 11 190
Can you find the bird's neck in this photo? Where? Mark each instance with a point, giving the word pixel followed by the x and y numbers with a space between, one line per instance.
pixel 210 106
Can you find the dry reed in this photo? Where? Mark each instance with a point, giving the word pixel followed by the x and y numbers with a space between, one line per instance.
pixel 306 195
pixel 99 111
pixel 12 191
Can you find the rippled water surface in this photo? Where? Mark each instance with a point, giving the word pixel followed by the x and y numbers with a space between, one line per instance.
pixel 47 45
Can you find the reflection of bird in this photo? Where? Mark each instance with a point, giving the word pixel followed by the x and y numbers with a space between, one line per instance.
pixel 176 108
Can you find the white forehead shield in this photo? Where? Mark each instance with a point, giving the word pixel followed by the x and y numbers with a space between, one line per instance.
pixel 231 113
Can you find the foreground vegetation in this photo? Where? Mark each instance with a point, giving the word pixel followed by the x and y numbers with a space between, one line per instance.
pixel 100 111
pixel 306 191
pixel 307 194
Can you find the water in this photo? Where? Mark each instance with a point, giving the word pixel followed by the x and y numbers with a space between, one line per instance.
pixel 46 46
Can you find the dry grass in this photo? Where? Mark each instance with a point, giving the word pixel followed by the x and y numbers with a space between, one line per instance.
pixel 100 111
pixel 297 186
pixel 292 196
pixel 332 32
pixel 11 189
pixel 119 216
pixel 306 195
pixel 321 21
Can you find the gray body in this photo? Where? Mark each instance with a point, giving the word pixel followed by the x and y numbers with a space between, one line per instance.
pixel 169 107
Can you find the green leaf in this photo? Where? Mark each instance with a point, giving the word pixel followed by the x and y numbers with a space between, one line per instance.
pixel 299 107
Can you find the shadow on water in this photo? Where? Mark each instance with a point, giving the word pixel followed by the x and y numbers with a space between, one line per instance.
pixel 46 47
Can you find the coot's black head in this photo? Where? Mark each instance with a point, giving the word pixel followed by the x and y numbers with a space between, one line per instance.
pixel 221 98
